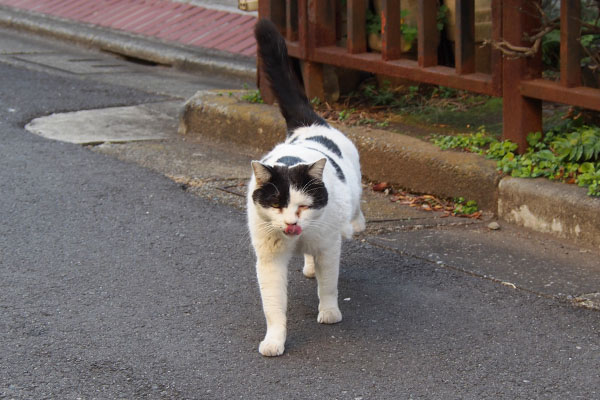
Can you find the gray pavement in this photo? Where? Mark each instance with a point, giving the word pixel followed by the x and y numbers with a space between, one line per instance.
pixel 117 282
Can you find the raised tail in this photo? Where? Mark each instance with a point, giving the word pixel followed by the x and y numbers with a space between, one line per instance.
pixel 293 104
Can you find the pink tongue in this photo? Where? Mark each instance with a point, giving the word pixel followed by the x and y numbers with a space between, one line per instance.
pixel 293 230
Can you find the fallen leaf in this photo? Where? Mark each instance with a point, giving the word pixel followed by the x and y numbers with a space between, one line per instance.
pixel 380 187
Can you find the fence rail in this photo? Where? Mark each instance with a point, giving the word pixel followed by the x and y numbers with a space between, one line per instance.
pixel 313 29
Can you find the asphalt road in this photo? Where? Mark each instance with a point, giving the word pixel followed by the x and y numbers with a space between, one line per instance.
pixel 116 283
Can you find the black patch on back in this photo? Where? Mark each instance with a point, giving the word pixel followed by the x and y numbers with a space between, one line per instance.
pixel 290 160
pixel 338 169
pixel 330 144
pixel 277 190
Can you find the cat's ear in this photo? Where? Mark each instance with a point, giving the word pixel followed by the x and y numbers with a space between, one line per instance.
pixel 262 173
pixel 315 170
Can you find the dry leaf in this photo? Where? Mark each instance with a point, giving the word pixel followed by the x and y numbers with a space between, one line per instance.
pixel 380 187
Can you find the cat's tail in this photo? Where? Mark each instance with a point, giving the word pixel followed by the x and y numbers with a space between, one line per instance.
pixel 293 104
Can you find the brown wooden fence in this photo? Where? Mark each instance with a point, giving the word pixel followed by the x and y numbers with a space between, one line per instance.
pixel 313 29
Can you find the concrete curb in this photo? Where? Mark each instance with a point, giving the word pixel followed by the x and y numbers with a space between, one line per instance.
pixel 565 211
pixel 137 46
pixel 559 209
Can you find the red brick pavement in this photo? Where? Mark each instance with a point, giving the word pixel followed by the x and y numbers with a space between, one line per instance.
pixel 167 20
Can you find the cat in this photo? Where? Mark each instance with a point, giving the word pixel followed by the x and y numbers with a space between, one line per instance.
pixel 303 197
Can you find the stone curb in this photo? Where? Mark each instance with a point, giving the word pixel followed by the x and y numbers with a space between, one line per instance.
pixel 559 209
pixel 565 211
pixel 137 46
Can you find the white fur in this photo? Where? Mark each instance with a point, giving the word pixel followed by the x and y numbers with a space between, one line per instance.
pixel 321 237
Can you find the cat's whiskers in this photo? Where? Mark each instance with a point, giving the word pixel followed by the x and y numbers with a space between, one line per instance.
pixel 320 224
pixel 308 184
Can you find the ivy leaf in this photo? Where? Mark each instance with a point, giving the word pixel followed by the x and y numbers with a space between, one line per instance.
pixel 534 138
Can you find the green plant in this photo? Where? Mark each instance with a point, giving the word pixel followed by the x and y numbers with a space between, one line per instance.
pixel 409 33
pixel 442 17
pixel 444 92
pixel 464 207
pixel 569 153
pixel 345 114
pixel 383 96
pixel 373 22
pixel 253 97
pixel 476 142
pixel 580 145
pixel 590 177
pixel 551 48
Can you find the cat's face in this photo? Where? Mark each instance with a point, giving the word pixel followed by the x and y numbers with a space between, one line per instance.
pixel 289 199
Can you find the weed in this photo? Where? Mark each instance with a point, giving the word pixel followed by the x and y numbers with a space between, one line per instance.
pixel 478 142
pixel 367 121
pixel 253 97
pixel 345 114
pixel 567 153
pixel 383 96
pixel 464 207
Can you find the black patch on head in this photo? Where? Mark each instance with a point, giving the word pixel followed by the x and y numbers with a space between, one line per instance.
pixel 330 144
pixel 338 169
pixel 276 192
pixel 290 160
pixel 303 181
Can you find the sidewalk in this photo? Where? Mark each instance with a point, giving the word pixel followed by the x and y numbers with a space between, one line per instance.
pixel 179 33
pixel 214 37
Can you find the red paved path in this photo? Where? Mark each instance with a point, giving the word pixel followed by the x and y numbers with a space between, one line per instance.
pixel 164 19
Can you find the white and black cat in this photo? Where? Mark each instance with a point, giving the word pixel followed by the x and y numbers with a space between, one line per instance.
pixel 303 197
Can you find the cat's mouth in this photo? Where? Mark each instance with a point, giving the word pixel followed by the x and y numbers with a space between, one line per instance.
pixel 292 230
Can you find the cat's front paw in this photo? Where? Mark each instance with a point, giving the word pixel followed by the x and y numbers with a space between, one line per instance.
pixel 309 270
pixel 329 316
pixel 271 348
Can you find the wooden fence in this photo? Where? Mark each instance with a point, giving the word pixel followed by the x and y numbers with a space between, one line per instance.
pixel 313 29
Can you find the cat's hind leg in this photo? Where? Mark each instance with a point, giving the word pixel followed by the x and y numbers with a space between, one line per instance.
pixel 327 267
pixel 309 266
pixel 358 222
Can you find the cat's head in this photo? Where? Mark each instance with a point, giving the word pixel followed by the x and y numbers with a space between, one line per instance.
pixel 289 199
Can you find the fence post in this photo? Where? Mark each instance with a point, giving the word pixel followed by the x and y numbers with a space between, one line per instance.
pixel 521 115
pixel 570 48
pixel 357 33
pixel 390 30
pixel 428 34
pixel 465 36
pixel 320 32
pixel 496 62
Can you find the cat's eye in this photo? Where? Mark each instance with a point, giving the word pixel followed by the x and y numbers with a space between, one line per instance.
pixel 275 205
pixel 302 208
